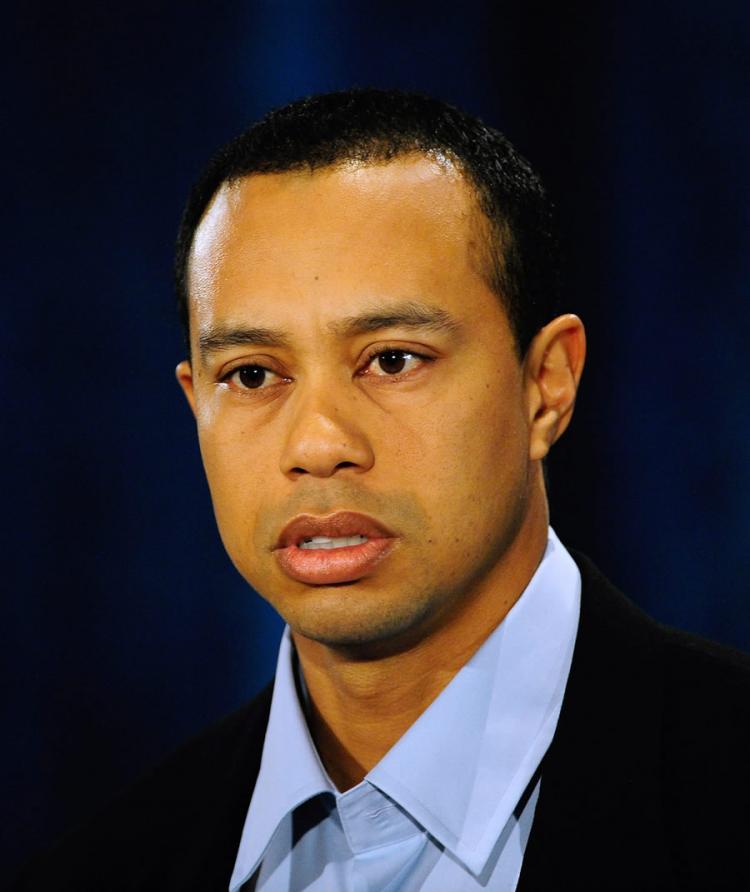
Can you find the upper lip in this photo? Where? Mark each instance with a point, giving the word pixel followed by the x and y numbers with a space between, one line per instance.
pixel 342 523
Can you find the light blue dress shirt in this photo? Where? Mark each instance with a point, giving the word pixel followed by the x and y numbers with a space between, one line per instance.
pixel 450 805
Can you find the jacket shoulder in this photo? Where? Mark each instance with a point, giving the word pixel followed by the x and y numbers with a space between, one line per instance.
pixel 689 699
pixel 705 746
pixel 178 827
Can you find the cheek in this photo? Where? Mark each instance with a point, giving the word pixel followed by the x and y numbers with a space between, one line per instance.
pixel 468 437
pixel 236 461
pixel 469 462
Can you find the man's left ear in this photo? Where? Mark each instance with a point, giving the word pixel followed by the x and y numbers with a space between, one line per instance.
pixel 552 370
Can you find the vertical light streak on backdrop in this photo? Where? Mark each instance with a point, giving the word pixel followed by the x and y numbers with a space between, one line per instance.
pixel 680 268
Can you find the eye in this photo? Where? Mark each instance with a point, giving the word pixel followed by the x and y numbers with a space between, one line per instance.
pixel 251 377
pixel 393 361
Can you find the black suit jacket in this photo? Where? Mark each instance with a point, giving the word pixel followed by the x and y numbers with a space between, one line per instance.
pixel 645 785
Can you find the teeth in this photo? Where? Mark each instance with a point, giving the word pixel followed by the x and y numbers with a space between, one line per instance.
pixel 327 542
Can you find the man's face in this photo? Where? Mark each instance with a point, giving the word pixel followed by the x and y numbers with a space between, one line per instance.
pixel 421 425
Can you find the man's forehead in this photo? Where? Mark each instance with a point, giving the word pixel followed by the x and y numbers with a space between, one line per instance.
pixel 411 180
pixel 324 243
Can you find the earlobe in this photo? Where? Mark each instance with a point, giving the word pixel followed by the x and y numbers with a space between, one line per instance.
pixel 554 365
pixel 184 374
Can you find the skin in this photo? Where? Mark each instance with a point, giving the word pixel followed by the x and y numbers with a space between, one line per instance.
pixel 447 453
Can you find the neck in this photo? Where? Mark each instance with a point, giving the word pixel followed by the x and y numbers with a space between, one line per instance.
pixel 359 707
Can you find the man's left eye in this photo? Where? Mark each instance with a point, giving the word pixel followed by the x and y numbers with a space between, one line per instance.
pixel 394 362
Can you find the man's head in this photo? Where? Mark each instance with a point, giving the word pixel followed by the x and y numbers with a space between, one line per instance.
pixel 350 355
pixel 516 242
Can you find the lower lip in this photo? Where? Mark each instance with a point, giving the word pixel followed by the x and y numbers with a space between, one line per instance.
pixel 325 566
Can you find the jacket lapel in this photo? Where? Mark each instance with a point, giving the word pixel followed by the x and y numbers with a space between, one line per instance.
pixel 214 820
pixel 599 823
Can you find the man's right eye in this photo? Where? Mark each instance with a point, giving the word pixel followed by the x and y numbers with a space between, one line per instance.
pixel 250 377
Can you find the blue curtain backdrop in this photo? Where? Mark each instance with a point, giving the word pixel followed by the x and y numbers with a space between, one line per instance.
pixel 126 628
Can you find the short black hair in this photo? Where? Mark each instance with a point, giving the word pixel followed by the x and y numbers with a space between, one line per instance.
pixel 374 126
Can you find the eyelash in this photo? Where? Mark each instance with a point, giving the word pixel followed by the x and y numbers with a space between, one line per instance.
pixel 226 379
pixel 383 350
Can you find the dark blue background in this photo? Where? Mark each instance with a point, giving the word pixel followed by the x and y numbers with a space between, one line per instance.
pixel 125 626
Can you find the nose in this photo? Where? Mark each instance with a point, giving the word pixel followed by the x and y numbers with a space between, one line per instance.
pixel 325 434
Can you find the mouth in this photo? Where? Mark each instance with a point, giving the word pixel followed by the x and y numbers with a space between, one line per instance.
pixel 342 547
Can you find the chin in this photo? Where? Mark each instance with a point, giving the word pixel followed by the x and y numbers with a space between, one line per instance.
pixel 366 632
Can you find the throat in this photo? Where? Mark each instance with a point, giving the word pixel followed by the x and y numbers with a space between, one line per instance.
pixel 357 711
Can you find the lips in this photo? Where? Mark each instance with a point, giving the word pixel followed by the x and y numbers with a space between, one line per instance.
pixel 335 526
pixel 326 566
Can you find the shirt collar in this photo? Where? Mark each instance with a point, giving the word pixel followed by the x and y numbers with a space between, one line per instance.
pixel 462 767
pixel 290 770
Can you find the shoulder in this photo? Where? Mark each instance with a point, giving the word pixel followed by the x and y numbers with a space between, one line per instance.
pixel 703 666
pixel 701 689
pixel 177 827
pixel 681 657
pixel 691 698
pixel 697 679
pixel 706 741
pixel 706 706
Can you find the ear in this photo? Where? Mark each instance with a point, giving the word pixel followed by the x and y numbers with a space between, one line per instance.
pixel 184 373
pixel 552 371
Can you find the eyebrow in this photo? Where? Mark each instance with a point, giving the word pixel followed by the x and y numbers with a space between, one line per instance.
pixel 406 314
pixel 222 337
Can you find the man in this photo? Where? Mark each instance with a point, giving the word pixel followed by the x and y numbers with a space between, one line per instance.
pixel 377 373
